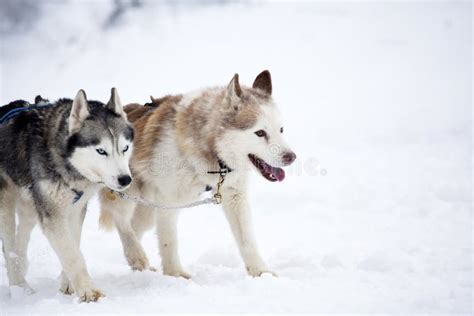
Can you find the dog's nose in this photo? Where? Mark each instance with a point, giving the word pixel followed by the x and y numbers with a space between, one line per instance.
pixel 288 157
pixel 124 180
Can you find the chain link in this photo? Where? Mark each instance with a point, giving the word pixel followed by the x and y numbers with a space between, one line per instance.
pixel 217 195
pixel 147 203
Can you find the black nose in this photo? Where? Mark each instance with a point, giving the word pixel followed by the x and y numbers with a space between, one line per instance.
pixel 124 180
pixel 288 157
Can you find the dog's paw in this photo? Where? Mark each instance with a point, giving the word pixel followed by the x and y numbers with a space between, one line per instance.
pixel 258 272
pixel 139 263
pixel 179 273
pixel 21 290
pixel 66 287
pixel 84 289
pixel 89 294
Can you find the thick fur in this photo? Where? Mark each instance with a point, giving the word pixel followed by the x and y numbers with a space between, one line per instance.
pixel 178 140
pixel 49 168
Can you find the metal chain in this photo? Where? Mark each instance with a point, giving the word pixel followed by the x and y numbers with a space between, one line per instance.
pixel 216 199
pixel 147 203
pixel 217 196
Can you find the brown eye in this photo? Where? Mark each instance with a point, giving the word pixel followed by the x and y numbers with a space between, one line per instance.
pixel 281 130
pixel 261 133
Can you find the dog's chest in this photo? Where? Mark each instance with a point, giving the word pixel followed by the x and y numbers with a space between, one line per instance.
pixel 176 177
pixel 80 195
pixel 71 196
pixel 188 187
pixel 185 187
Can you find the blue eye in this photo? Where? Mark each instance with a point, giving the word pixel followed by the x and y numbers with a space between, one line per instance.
pixel 125 149
pixel 102 152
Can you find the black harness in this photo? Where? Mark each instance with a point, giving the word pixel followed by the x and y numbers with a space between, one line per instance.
pixel 223 168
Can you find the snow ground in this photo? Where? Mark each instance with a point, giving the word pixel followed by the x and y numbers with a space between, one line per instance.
pixel 377 214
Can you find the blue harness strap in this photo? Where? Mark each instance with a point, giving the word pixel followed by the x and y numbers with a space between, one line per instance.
pixel 17 110
pixel 78 196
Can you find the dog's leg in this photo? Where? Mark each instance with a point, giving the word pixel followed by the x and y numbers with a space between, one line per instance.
pixel 132 248
pixel 26 222
pixel 76 221
pixel 57 230
pixel 143 220
pixel 122 212
pixel 7 235
pixel 239 217
pixel 168 243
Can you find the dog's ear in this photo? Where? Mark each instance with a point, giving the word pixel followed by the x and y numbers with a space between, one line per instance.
pixel 115 105
pixel 233 93
pixel 263 82
pixel 79 112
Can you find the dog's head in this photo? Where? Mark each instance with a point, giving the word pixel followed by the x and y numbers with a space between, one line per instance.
pixel 100 141
pixel 252 133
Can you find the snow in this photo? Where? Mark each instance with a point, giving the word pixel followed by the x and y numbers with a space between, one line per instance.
pixel 376 214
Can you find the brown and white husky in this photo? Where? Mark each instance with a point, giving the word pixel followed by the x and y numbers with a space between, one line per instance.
pixel 178 140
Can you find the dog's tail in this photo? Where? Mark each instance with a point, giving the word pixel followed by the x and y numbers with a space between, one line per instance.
pixel 106 219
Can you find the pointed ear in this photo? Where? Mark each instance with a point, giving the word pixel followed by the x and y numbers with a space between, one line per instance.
pixel 79 112
pixel 115 105
pixel 263 82
pixel 233 93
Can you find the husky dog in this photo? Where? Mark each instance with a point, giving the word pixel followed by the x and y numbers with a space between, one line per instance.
pixel 53 158
pixel 180 140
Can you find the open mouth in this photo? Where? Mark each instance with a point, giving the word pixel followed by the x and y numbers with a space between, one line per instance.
pixel 268 172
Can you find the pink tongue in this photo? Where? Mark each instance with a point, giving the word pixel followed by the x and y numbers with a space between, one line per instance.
pixel 278 173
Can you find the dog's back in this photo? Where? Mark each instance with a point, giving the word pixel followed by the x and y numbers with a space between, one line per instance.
pixel 4 110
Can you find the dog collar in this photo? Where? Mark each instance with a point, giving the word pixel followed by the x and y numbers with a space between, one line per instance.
pixel 223 168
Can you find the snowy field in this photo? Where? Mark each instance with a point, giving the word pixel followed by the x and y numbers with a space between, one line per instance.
pixel 375 216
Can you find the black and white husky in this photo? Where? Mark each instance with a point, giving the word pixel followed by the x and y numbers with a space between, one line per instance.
pixel 53 158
